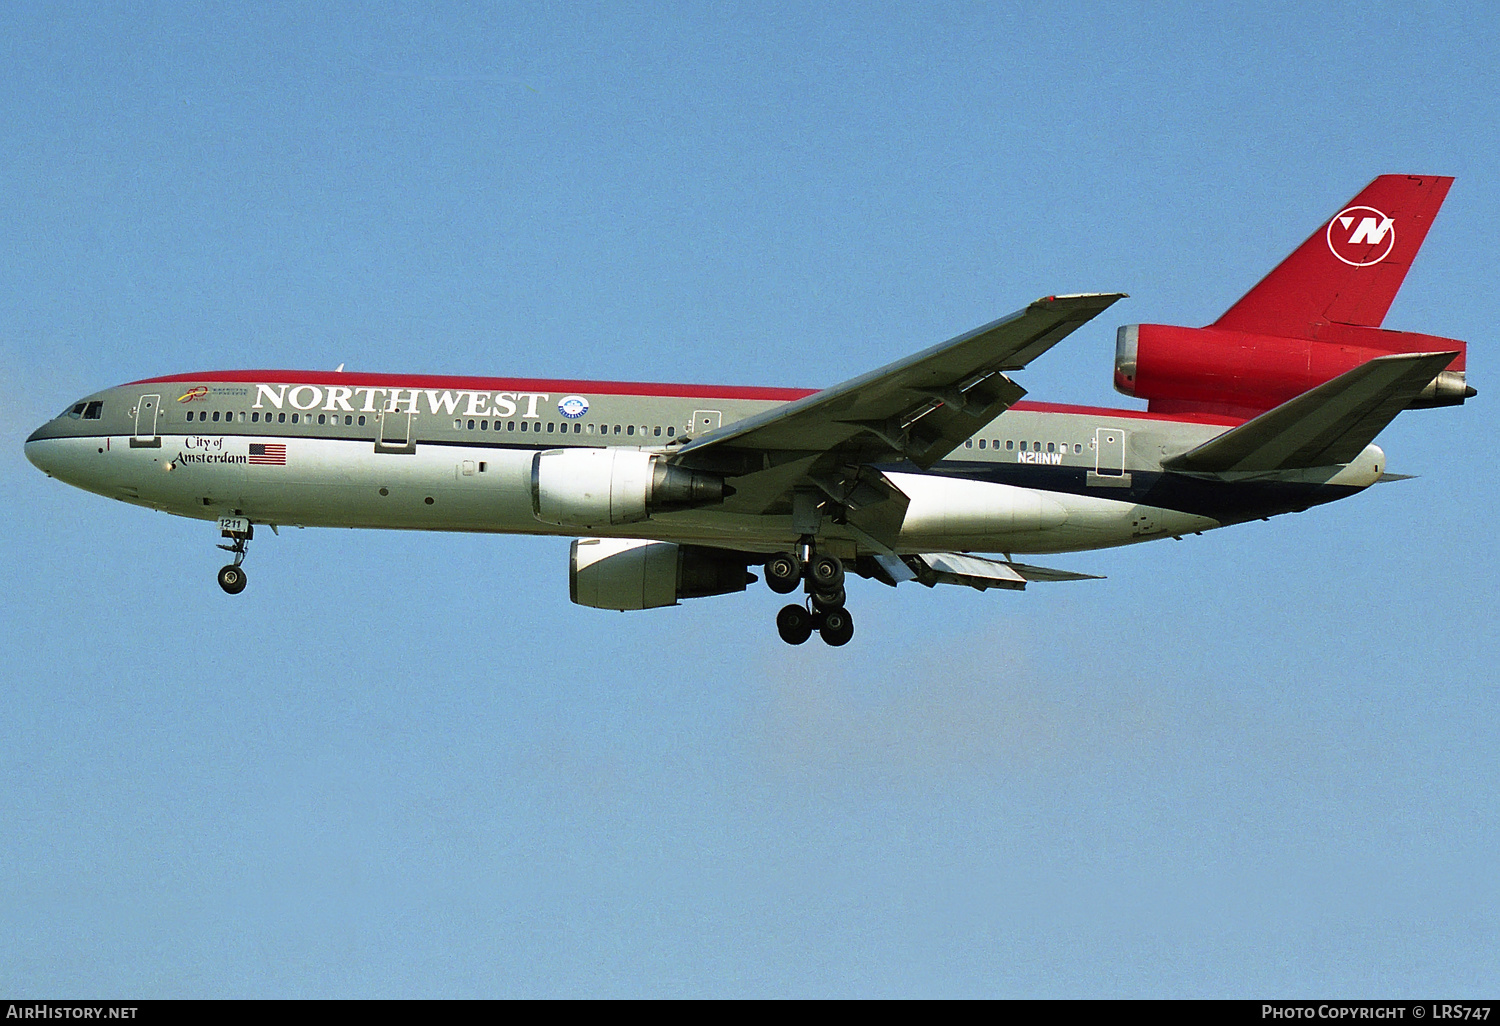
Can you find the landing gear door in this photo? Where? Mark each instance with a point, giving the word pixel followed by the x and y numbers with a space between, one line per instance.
pixel 704 421
pixel 396 432
pixel 147 409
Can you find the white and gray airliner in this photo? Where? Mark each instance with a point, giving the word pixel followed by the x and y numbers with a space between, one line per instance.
pixel 930 470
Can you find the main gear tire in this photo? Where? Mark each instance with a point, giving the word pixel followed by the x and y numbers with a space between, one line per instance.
pixel 822 603
pixel 837 628
pixel 783 573
pixel 825 574
pixel 794 624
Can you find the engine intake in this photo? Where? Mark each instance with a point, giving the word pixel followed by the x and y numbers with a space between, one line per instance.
pixel 629 573
pixel 604 487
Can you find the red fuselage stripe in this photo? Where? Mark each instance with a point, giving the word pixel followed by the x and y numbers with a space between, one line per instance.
pixel 634 388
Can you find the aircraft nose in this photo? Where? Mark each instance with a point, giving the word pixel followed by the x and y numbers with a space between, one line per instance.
pixel 37 449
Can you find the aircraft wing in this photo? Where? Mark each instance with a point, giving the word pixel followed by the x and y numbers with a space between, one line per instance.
pixel 1322 427
pixel 918 408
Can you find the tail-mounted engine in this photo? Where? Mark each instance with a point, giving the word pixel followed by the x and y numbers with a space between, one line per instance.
pixel 589 488
pixel 627 573
pixel 1182 370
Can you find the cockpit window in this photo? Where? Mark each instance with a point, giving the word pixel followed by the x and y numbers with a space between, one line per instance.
pixel 92 411
pixel 75 411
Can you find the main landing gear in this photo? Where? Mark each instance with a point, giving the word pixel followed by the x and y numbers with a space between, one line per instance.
pixel 823 610
pixel 232 577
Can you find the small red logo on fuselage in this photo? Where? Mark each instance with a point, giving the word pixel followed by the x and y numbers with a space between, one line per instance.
pixel 1361 236
pixel 192 395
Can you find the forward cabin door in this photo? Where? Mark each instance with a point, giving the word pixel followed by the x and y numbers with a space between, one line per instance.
pixel 147 409
pixel 395 431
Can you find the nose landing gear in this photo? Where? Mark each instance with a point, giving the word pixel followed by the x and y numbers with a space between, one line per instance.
pixel 239 531
pixel 823 610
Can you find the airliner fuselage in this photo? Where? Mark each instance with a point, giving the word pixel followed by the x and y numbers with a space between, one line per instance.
pixel 909 472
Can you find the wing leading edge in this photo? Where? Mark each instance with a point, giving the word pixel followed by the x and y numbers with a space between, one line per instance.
pixel 918 408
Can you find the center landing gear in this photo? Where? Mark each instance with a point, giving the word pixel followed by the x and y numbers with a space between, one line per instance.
pixel 232 577
pixel 823 610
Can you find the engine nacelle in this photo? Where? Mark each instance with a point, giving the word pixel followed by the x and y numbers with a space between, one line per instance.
pixel 1239 373
pixel 603 487
pixel 628 573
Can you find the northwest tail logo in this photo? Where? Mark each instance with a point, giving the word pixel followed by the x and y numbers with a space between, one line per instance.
pixel 1361 236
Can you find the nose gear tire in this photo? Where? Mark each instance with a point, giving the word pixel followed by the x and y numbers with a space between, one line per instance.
pixel 232 579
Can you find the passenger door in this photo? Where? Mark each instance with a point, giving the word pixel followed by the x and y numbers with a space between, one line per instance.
pixel 147 409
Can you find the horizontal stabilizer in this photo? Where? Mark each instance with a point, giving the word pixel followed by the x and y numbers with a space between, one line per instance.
pixel 1326 426
pixel 934 568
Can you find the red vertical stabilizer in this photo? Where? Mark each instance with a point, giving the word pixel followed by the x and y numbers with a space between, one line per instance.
pixel 1349 270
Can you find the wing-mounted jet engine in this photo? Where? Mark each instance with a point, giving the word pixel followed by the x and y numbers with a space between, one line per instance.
pixel 635 573
pixel 1314 317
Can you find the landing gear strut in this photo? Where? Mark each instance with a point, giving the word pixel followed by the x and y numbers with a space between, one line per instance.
pixel 823 610
pixel 232 577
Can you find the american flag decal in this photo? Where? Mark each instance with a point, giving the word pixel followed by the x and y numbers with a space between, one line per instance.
pixel 269 454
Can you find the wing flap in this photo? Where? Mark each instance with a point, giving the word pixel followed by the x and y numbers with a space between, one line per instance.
pixel 1324 426
pixel 934 568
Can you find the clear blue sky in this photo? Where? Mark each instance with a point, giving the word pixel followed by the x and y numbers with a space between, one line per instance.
pixel 1258 762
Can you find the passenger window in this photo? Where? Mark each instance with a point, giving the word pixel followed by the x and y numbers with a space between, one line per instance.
pixel 216 415
pixel 657 432
pixel 242 416
pixel 630 430
pixel 968 443
pixel 471 425
pixel 670 430
pixel 578 429
pixel 591 429
pixel 1023 446
pixel 1051 446
pixel 484 425
pixel 361 421
pixel 482 464
pixel 322 418
pixel 549 427
pixel 510 425
pixel 294 418
pixel 1036 446
pixel 1077 448
pixel 981 443
pixel 254 418
pixel 348 420
pixel 523 425
pixel 281 418
pixel 1010 443
pixel 458 424
pixel 617 429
